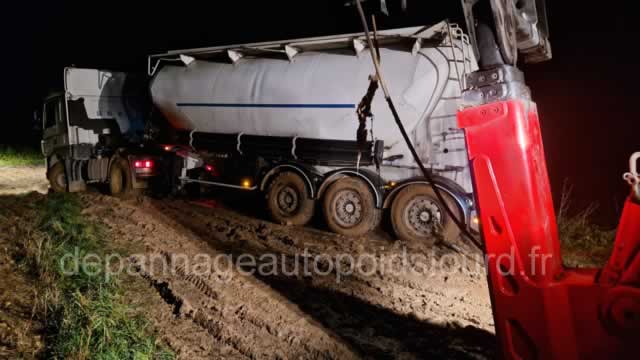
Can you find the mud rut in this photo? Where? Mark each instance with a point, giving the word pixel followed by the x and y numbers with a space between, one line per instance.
pixel 441 313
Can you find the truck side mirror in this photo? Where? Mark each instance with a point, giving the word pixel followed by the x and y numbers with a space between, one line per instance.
pixel 36 122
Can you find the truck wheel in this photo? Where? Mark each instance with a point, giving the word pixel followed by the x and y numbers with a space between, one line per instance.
pixel 120 178
pixel 57 178
pixel 350 208
pixel 288 200
pixel 417 215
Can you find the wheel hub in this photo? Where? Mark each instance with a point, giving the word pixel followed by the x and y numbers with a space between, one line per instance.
pixel 61 181
pixel 288 200
pixel 423 215
pixel 348 208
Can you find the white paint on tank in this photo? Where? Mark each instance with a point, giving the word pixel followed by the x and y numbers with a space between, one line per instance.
pixel 316 94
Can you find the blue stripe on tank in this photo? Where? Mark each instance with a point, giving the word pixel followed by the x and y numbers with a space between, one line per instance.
pixel 274 106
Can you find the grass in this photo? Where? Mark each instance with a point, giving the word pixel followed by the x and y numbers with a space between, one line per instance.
pixel 11 157
pixel 584 244
pixel 86 315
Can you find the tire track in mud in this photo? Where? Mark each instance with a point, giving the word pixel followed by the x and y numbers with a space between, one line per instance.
pixel 212 327
pixel 243 313
pixel 237 237
pixel 359 309
pixel 230 324
pixel 239 313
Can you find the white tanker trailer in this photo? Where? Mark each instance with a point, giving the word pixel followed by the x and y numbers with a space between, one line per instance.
pixel 280 117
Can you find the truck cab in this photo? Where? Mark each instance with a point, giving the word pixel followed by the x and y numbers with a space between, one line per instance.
pixel 54 124
pixel 93 132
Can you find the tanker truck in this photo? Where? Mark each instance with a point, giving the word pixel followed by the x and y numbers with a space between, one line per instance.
pixel 280 118
pixel 93 133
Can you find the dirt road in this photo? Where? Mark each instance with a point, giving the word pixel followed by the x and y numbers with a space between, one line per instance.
pixel 23 179
pixel 439 310
pixel 307 294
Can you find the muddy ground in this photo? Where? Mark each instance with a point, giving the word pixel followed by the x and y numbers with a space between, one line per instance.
pixel 193 277
pixel 21 329
pixel 23 179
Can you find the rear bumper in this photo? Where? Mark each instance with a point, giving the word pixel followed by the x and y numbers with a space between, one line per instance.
pixel 145 173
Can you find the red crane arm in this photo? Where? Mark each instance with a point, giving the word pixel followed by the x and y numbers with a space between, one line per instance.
pixel 542 310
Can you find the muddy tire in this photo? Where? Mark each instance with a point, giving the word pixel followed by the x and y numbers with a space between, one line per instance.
pixel 288 200
pixel 57 178
pixel 120 178
pixel 417 215
pixel 349 207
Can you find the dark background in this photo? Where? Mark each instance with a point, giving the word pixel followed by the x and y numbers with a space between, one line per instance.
pixel 587 95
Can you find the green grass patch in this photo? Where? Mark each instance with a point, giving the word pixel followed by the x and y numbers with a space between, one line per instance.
pixel 584 244
pixel 20 157
pixel 86 315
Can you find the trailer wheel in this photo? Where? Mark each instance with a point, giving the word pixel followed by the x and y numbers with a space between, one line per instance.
pixel 350 208
pixel 417 215
pixel 288 200
pixel 57 178
pixel 120 178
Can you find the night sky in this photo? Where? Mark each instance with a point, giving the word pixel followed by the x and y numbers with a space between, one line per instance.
pixel 587 95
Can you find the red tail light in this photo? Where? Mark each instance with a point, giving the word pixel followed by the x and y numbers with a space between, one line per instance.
pixel 211 169
pixel 143 164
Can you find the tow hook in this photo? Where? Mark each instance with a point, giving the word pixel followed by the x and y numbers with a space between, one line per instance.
pixel 633 177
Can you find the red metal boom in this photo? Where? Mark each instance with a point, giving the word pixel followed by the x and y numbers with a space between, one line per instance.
pixel 543 310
